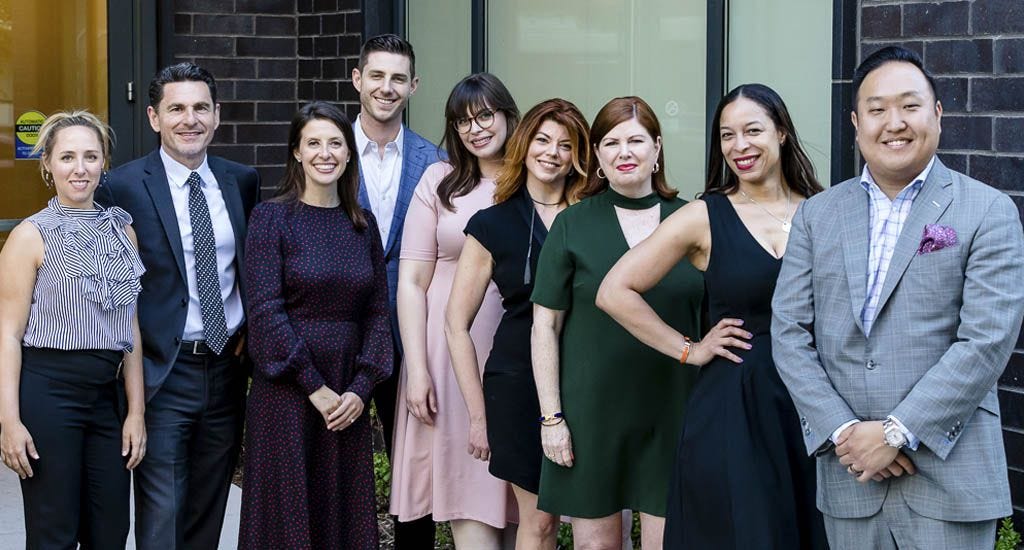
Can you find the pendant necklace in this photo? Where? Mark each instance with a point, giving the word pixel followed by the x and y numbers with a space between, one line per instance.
pixel 789 204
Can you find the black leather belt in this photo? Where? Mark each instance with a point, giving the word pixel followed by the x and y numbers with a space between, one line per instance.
pixel 199 347
pixel 195 347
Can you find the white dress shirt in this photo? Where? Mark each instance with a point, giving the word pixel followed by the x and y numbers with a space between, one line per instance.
pixel 224 236
pixel 381 174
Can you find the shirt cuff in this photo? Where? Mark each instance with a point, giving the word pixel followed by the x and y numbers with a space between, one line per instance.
pixel 912 440
pixel 840 429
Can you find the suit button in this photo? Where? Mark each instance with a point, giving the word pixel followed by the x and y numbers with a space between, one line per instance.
pixel 871 365
pixel 184 302
pixel 178 341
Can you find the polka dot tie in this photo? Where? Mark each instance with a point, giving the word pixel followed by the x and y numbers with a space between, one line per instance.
pixel 214 327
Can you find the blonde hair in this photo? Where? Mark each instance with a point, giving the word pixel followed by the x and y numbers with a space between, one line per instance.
pixel 66 119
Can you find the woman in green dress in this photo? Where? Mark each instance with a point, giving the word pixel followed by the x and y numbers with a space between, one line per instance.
pixel 611 410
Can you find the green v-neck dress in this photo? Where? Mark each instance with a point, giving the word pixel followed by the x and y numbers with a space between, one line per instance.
pixel 623 401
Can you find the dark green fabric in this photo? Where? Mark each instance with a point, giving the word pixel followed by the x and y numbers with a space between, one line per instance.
pixel 623 401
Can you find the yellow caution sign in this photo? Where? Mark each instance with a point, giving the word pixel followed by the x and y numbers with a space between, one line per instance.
pixel 26 133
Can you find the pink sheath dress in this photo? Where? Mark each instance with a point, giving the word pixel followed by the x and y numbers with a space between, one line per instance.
pixel 431 471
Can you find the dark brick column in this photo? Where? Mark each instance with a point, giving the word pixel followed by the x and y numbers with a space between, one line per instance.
pixel 976 51
pixel 269 58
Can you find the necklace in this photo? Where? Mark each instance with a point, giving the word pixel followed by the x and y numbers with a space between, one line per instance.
pixel 545 203
pixel 789 205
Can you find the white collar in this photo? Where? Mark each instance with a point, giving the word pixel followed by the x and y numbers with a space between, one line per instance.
pixel 867 181
pixel 363 143
pixel 178 173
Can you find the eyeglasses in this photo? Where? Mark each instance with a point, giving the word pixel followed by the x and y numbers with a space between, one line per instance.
pixel 484 119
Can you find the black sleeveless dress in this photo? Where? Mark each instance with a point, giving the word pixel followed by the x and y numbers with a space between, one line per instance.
pixel 742 478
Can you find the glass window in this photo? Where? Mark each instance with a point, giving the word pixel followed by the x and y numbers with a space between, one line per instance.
pixel 798 65
pixel 47 63
pixel 589 51
pixel 441 34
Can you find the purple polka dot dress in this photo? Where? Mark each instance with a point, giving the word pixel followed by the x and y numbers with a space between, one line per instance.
pixel 317 315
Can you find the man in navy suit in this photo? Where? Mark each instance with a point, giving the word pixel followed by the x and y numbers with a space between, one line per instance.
pixel 391 160
pixel 189 211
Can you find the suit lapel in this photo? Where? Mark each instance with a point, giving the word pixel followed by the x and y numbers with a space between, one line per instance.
pixel 159 190
pixel 931 202
pixel 413 164
pixel 364 197
pixel 855 224
pixel 233 201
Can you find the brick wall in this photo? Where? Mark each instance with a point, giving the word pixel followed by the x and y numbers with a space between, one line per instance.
pixel 269 57
pixel 976 51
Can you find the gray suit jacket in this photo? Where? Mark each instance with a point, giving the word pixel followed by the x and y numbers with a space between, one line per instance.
pixel 945 326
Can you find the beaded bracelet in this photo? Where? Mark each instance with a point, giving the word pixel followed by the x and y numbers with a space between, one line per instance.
pixel 551 420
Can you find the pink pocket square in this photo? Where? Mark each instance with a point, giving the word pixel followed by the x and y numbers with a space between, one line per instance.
pixel 936 237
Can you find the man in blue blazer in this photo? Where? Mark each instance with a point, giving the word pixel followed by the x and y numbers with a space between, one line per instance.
pixel 189 211
pixel 391 160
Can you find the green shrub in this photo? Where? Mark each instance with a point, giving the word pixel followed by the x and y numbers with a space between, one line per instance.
pixel 1007 538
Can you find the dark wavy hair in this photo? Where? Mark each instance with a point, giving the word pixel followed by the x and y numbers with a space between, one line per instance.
pixel 387 43
pixel 181 72
pixel 512 176
pixel 293 184
pixel 796 166
pixel 616 112
pixel 472 94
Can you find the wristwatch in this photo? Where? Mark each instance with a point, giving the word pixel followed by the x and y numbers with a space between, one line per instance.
pixel 894 436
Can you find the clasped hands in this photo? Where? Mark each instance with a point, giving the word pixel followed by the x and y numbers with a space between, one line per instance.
pixel 862 449
pixel 339 411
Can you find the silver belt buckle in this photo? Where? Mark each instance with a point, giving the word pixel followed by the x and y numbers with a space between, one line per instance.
pixel 195 348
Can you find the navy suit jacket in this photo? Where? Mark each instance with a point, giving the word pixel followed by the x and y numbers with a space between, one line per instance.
pixel 417 154
pixel 141 188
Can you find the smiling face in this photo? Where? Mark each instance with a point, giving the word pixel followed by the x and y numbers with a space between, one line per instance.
pixel 323 153
pixel 898 122
pixel 627 154
pixel 750 141
pixel 385 84
pixel 186 118
pixel 549 156
pixel 76 163
pixel 485 143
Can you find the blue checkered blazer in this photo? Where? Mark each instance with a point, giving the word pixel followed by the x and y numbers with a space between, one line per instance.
pixel 417 154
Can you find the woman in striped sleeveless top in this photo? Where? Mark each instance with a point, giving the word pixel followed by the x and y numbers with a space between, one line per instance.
pixel 68 334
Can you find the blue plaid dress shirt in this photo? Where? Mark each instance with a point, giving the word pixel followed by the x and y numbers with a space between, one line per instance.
pixel 886 219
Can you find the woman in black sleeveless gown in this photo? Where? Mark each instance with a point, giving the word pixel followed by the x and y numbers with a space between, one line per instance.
pixel 742 478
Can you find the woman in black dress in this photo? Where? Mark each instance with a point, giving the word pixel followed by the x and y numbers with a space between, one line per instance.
pixel 545 167
pixel 742 478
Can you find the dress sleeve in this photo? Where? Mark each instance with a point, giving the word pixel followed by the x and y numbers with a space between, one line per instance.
pixel 376 357
pixel 277 351
pixel 476 227
pixel 419 235
pixel 555 270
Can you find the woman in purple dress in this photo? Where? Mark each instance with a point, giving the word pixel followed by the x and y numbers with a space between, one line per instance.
pixel 320 340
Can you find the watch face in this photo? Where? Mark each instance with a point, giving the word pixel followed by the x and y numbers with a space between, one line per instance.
pixel 895 438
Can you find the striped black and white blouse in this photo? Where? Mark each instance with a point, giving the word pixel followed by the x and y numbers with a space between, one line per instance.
pixel 87 286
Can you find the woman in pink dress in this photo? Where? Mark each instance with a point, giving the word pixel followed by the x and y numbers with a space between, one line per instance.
pixel 431 473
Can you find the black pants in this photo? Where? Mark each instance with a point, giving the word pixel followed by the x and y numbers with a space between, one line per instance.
pixel 79 491
pixel 419 533
pixel 194 428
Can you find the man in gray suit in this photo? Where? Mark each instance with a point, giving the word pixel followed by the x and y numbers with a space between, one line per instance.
pixel 897 307
pixel 391 160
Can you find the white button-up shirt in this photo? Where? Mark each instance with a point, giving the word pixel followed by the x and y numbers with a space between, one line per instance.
pixel 382 175
pixel 224 237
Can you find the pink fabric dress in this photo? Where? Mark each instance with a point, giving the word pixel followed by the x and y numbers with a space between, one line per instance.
pixel 431 471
